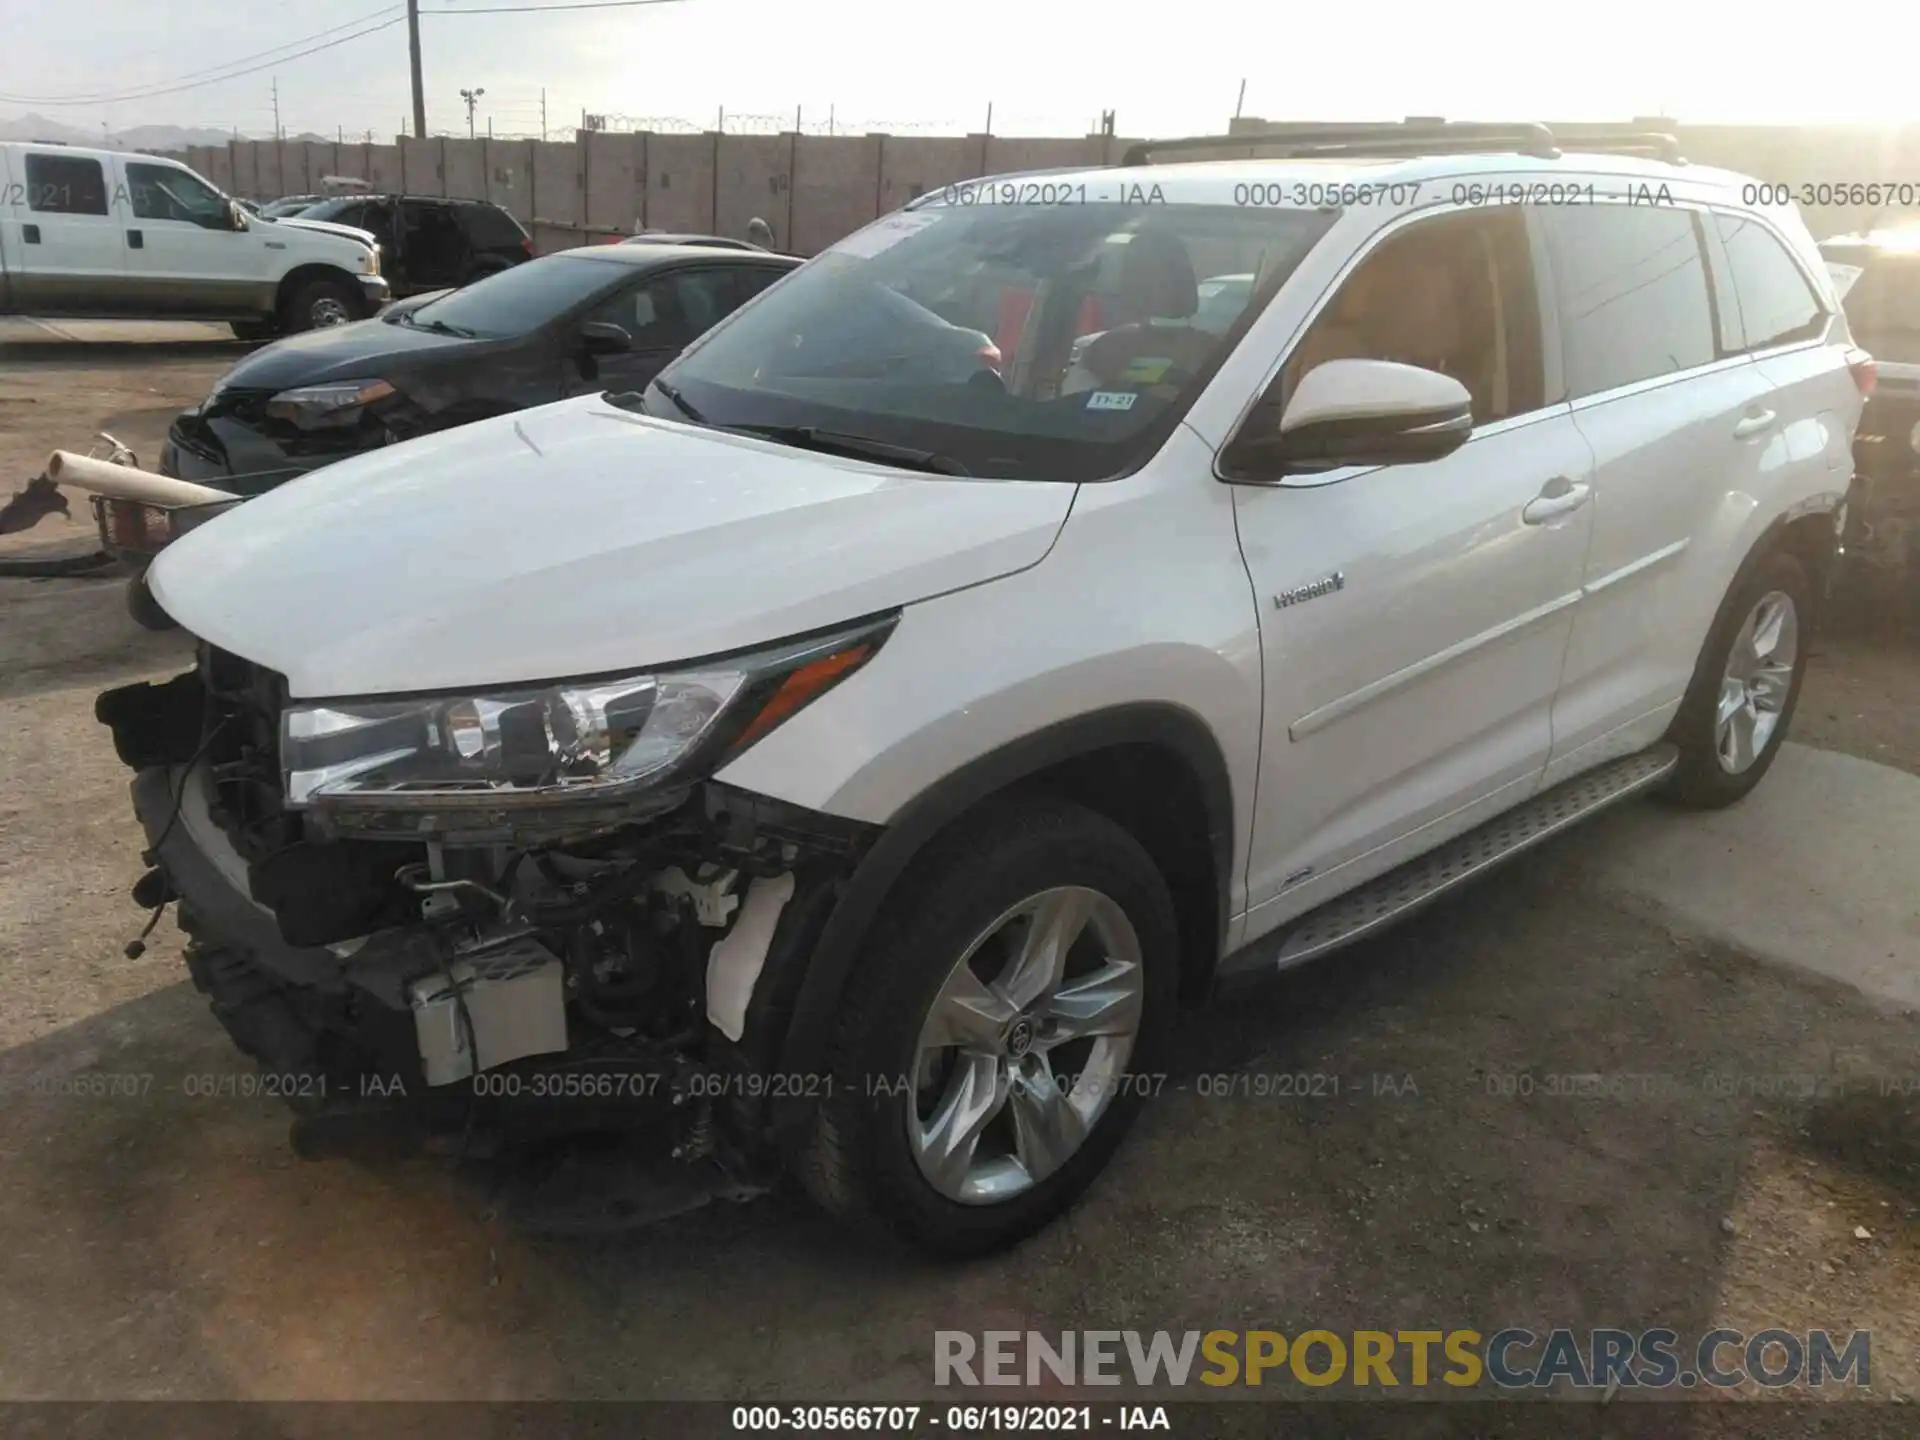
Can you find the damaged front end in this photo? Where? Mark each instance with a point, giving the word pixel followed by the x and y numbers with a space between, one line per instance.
pixel 514 912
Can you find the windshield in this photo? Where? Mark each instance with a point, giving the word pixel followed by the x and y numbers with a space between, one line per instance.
pixel 1052 341
pixel 325 209
pixel 520 300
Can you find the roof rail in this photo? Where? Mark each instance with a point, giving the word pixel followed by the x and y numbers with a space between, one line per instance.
pixel 1419 135
pixel 1654 144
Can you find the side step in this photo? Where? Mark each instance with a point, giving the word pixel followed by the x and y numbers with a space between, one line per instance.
pixel 1380 902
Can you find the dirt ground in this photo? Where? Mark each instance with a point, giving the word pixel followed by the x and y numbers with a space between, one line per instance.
pixel 164 1246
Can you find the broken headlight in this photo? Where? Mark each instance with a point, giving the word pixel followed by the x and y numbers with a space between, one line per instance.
pixel 322 407
pixel 592 739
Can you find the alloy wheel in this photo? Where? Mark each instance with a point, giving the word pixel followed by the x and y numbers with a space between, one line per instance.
pixel 1026 1045
pixel 1757 681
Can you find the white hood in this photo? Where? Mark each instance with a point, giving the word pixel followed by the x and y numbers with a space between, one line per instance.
pixel 578 539
pixel 324 227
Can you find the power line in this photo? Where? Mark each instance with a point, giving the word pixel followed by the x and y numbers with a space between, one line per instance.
pixel 151 94
pixel 541 9
pixel 195 74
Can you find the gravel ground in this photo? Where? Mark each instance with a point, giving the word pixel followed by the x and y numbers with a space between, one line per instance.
pixel 161 1245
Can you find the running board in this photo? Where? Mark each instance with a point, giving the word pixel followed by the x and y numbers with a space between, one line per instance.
pixel 1381 902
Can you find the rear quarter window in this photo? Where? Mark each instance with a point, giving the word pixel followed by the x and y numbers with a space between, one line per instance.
pixel 1777 303
pixel 491 227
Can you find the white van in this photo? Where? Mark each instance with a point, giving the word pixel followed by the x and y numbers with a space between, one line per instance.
pixel 99 233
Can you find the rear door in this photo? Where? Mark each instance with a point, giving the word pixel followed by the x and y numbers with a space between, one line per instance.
pixel 1788 321
pixel 434 252
pixel 63 236
pixel 1679 419
pixel 183 254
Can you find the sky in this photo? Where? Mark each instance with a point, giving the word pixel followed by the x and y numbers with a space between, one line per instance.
pixel 1044 68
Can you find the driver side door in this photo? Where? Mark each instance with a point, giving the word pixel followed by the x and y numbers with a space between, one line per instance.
pixel 1414 617
pixel 183 255
pixel 662 315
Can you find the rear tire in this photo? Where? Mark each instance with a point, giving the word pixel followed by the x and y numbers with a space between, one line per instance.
pixel 319 304
pixel 1060 1076
pixel 1736 712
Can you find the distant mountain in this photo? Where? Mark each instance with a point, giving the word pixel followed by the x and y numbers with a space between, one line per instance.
pixel 134 137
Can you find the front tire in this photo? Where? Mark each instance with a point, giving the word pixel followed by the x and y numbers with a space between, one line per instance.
pixel 320 304
pixel 1736 712
pixel 1000 1031
pixel 144 609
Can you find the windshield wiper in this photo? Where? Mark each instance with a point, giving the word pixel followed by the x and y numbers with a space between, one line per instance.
pixel 441 327
pixel 680 402
pixel 858 447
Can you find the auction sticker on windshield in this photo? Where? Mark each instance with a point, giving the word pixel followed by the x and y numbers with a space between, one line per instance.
pixel 884 234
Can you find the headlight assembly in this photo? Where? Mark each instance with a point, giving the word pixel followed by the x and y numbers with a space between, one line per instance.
pixel 320 407
pixel 511 747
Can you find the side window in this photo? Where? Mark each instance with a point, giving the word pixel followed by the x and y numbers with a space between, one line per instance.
pixel 355 215
pixel 667 313
pixel 1776 302
pixel 1454 294
pixel 1630 283
pixel 161 192
pixel 491 228
pixel 65 185
pixel 750 280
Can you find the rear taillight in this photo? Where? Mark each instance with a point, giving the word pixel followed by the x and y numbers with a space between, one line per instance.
pixel 527 245
pixel 1866 374
pixel 990 357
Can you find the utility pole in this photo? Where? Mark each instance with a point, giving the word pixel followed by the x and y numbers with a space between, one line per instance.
pixel 1241 102
pixel 419 91
pixel 276 107
pixel 472 97
pixel 543 112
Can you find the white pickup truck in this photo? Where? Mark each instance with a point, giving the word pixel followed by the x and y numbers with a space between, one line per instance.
pixel 99 233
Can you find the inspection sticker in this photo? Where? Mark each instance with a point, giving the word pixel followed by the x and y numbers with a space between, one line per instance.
pixel 885 234
pixel 1111 400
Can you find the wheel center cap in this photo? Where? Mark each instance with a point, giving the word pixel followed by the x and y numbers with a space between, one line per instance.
pixel 1020 1037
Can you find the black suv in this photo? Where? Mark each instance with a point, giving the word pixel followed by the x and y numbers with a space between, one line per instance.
pixel 427 243
pixel 1878 281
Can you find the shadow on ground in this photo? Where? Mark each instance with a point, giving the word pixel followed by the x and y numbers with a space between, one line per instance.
pixel 172 1246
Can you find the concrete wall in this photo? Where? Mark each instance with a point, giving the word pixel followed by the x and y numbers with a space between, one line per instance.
pixel 813 189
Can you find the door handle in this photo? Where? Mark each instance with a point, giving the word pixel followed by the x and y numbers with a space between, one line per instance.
pixel 1754 424
pixel 1559 496
pixel 136 241
pixel 30 234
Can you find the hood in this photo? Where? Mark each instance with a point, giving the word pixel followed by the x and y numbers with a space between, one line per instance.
pixel 578 539
pixel 365 349
pixel 325 227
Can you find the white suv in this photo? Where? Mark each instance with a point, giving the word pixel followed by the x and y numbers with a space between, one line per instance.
pixel 861 763
pixel 138 237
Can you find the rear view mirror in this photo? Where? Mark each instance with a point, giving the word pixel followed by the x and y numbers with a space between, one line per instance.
pixel 1370 412
pixel 603 337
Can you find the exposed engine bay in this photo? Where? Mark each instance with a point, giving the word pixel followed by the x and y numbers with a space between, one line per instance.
pixel 629 967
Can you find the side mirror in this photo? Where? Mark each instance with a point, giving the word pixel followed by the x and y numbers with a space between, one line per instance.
pixel 236 215
pixel 603 337
pixel 1364 412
